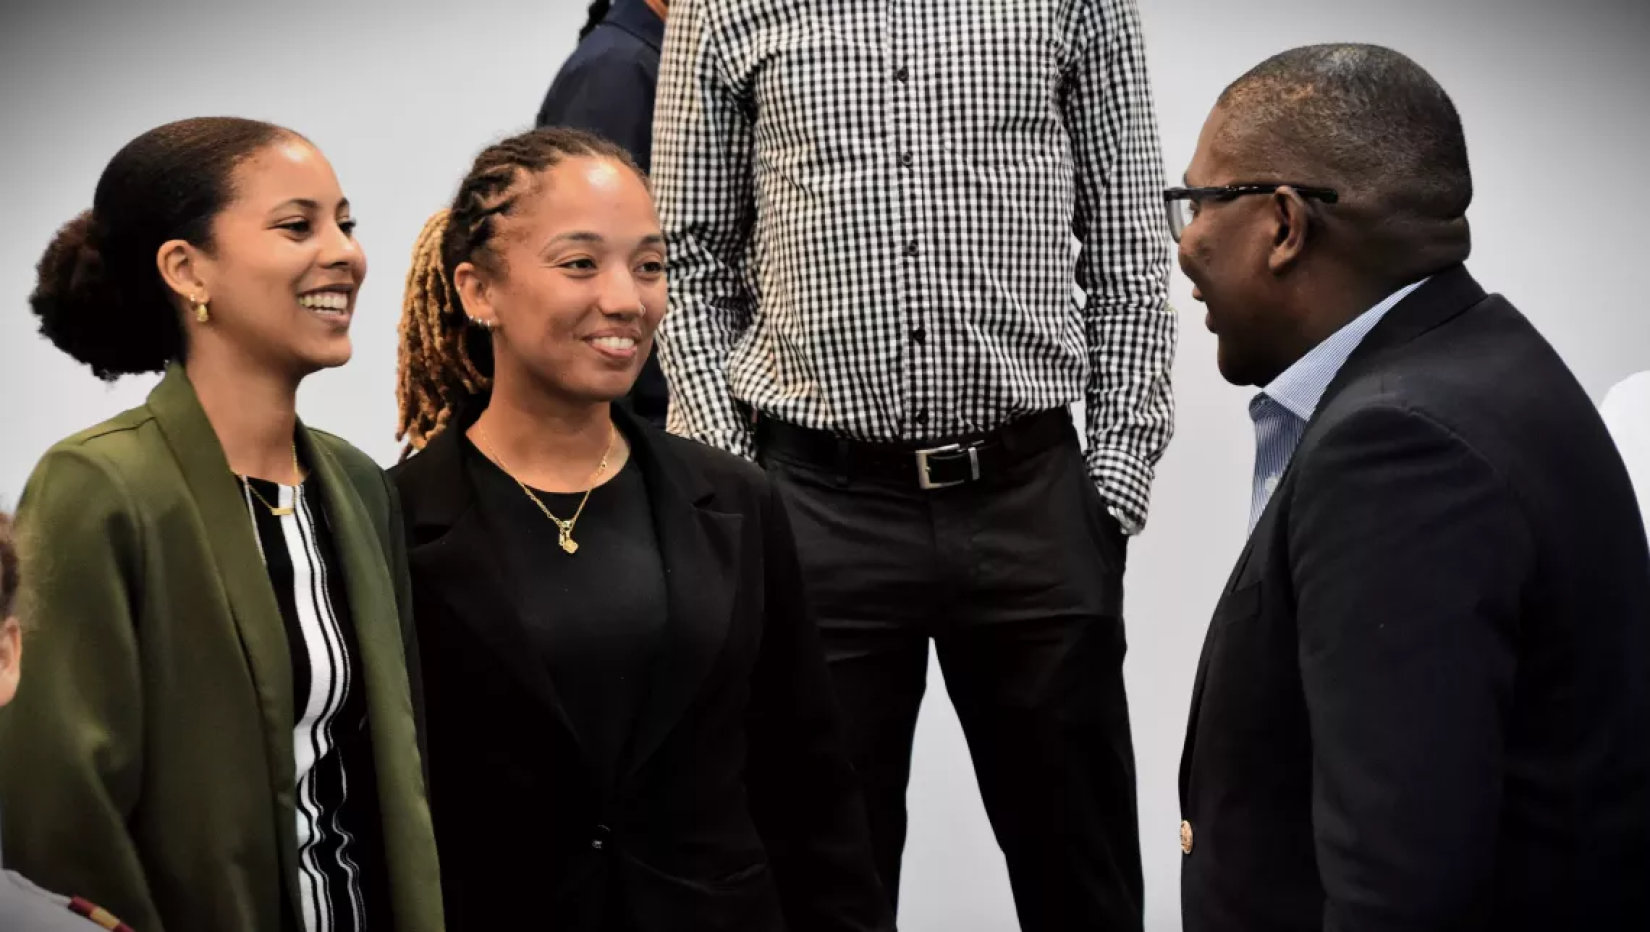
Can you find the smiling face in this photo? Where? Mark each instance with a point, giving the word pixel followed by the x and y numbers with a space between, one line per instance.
pixel 575 285
pixel 284 268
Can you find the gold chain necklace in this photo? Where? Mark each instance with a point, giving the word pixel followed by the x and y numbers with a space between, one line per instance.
pixel 279 512
pixel 564 528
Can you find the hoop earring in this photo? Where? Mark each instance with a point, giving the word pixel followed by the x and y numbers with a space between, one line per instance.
pixel 202 314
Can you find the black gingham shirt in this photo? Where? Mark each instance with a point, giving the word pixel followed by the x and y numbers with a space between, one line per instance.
pixel 871 207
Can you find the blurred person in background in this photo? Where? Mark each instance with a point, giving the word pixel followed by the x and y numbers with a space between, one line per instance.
pixel 25 907
pixel 1626 411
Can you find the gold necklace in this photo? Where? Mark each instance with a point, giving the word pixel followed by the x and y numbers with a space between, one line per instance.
pixel 279 512
pixel 563 528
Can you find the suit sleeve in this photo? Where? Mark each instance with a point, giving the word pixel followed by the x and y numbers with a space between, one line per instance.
pixel 71 743
pixel 803 793
pixel 1409 553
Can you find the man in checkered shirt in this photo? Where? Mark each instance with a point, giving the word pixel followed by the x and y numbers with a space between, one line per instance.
pixel 871 208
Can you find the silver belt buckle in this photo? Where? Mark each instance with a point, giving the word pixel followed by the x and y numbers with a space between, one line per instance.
pixel 927 482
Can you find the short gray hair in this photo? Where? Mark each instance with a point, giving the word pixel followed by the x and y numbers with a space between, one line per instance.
pixel 1363 119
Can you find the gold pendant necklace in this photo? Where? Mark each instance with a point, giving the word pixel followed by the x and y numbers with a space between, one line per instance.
pixel 280 511
pixel 564 529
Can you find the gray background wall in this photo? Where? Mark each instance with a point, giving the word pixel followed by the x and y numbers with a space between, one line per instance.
pixel 401 93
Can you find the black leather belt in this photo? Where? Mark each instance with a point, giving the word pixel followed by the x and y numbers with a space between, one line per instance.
pixel 927 466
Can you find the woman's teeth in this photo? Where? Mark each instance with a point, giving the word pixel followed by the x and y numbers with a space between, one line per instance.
pixel 615 343
pixel 325 301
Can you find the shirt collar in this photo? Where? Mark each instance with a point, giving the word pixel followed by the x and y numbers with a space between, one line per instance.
pixel 1299 388
pixel 638 19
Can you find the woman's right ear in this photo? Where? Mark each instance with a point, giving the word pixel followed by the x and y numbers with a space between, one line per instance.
pixel 474 297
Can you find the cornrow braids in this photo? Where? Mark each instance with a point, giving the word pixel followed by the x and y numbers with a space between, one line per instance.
pixel 442 359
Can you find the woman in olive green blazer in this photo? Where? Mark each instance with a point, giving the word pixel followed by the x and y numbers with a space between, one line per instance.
pixel 151 761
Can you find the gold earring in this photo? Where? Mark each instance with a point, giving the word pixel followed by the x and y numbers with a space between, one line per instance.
pixel 201 313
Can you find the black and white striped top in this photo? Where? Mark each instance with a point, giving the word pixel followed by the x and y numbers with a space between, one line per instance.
pixel 340 862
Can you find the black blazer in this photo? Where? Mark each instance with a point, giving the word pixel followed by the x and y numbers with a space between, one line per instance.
pixel 739 810
pixel 1424 699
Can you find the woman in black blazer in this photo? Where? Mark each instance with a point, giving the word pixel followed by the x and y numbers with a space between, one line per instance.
pixel 630 724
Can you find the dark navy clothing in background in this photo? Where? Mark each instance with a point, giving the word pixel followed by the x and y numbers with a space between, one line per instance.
pixel 606 87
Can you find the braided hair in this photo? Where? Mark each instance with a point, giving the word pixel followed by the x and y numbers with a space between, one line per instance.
pixel 442 360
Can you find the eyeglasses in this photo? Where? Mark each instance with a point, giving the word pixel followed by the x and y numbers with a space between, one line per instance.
pixel 1182 202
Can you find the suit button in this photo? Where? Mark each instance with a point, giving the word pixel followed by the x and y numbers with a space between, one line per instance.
pixel 1185 838
pixel 600 841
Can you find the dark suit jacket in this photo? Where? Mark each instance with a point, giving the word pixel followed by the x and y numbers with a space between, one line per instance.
pixel 738 810
pixel 1424 699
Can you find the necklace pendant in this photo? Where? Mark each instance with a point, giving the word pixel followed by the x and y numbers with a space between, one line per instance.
pixel 568 544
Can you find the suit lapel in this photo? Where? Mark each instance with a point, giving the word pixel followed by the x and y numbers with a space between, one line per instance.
pixel 700 550
pixel 245 580
pixel 458 560
pixel 1262 527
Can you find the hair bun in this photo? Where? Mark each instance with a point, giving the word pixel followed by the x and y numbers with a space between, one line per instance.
pixel 72 260
pixel 83 312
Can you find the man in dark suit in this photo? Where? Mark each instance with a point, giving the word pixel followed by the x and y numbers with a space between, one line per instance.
pixel 1424 698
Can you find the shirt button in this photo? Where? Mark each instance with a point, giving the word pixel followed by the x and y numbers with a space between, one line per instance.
pixel 919 335
pixel 907 159
pixel 911 248
pixel 921 417
pixel 901 74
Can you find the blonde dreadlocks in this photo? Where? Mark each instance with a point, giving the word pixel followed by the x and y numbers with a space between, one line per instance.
pixel 442 360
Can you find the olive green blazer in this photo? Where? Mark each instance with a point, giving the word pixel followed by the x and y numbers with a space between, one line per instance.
pixel 147 762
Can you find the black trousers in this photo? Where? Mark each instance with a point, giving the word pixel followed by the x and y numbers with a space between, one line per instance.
pixel 1017 578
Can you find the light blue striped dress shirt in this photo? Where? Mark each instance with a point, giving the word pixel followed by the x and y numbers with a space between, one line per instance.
pixel 1283 407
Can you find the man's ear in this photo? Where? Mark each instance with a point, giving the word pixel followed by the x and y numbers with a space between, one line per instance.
pixel 1293 226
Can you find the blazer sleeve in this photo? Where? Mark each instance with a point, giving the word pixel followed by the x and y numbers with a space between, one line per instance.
pixel 804 796
pixel 1409 553
pixel 71 743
